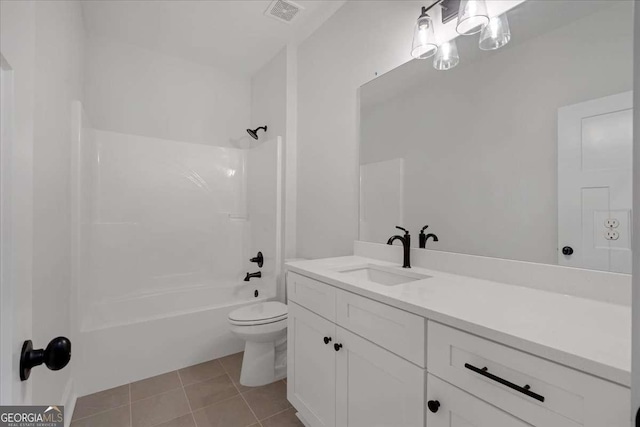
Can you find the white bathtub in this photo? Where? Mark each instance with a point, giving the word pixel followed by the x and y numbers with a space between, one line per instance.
pixel 163 332
pixel 156 305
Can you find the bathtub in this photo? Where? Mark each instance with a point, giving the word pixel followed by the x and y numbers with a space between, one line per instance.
pixel 162 332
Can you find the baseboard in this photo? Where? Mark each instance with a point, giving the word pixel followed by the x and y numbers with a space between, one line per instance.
pixel 69 398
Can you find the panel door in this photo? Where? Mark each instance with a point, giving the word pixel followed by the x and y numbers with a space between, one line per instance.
pixel 311 366
pixel 376 388
pixel 594 183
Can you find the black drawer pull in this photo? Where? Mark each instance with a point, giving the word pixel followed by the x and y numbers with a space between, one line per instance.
pixel 524 390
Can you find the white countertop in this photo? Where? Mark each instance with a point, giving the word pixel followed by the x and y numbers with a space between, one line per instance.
pixel 584 334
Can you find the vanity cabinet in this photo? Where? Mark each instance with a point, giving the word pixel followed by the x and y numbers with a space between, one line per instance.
pixel 336 378
pixel 356 362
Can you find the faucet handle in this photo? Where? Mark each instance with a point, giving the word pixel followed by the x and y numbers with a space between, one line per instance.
pixel 424 228
pixel 403 229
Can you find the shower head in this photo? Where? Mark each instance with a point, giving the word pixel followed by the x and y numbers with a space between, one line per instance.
pixel 254 132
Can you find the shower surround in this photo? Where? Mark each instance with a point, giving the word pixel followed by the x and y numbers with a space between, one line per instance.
pixel 163 235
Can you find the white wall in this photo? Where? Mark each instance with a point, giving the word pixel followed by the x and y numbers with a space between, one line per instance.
pixel 480 141
pixel 361 39
pixel 269 98
pixel 135 91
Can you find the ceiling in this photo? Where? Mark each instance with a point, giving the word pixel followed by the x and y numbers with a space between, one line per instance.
pixel 232 35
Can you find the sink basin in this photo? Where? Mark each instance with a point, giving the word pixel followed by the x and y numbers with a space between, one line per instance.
pixel 387 276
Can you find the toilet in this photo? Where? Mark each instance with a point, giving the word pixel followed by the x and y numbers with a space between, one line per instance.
pixel 263 326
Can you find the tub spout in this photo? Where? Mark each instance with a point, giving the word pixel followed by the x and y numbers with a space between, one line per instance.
pixel 252 275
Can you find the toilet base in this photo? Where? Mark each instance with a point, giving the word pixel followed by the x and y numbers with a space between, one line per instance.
pixel 263 363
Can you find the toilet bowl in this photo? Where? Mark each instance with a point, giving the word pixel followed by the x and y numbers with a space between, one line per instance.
pixel 263 327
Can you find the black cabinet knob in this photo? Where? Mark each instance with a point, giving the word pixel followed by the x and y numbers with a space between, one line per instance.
pixel 337 346
pixel 56 356
pixel 327 340
pixel 567 250
pixel 433 405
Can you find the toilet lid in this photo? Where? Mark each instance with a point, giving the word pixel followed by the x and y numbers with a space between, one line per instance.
pixel 271 311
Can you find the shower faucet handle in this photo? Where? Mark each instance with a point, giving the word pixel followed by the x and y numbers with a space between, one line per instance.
pixel 259 259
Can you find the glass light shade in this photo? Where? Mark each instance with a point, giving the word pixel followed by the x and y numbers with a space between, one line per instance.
pixel 424 44
pixel 495 34
pixel 472 17
pixel 447 56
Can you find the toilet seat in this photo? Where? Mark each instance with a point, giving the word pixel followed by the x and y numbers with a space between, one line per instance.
pixel 259 314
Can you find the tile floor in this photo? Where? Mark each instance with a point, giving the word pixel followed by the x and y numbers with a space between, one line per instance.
pixel 204 395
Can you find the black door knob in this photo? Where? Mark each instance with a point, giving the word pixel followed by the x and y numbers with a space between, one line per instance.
pixel 567 250
pixel 337 346
pixel 327 340
pixel 433 405
pixel 56 356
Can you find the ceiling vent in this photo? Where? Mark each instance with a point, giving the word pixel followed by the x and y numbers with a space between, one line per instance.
pixel 283 10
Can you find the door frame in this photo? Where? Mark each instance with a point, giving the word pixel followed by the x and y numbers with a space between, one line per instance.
pixel 7 290
pixel 635 299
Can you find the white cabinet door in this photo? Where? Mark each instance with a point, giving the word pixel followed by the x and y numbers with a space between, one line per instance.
pixel 311 366
pixel 456 408
pixel 376 388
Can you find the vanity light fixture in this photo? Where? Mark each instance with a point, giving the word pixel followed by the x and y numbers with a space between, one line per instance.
pixel 447 56
pixel 496 33
pixel 472 17
pixel 424 39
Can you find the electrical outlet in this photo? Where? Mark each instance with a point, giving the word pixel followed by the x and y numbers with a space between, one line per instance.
pixel 611 223
pixel 611 235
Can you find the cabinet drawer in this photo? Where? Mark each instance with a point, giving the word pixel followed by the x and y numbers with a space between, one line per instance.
pixel 312 294
pixel 396 330
pixel 459 409
pixel 522 384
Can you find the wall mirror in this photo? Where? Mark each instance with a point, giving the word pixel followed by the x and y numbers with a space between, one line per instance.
pixel 523 152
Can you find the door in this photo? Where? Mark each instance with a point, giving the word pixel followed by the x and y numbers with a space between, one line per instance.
pixel 15 232
pixel 374 387
pixel 455 408
pixel 311 366
pixel 594 183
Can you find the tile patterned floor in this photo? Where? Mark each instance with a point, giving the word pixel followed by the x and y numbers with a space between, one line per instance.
pixel 204 395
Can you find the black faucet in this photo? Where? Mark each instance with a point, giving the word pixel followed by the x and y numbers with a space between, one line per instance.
pixel 406 244
pixel 422 238
pixel 252 275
